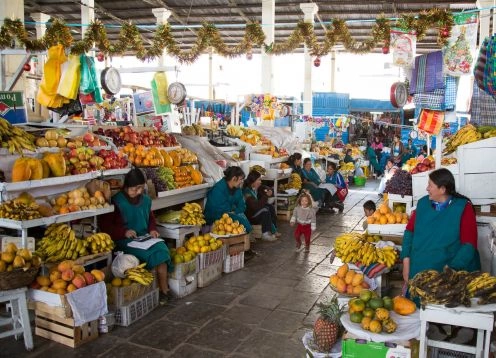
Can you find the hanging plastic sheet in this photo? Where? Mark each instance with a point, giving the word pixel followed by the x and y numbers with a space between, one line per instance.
pixel 70 78
pixel 89 79
pixel 47 94
pixel 159 91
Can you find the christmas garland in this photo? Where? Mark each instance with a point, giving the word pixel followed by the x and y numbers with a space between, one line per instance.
pixel 130 39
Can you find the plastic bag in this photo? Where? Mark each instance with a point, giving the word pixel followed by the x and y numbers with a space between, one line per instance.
pixel 122 263
pixel 71 76
pixel 89 78
pixel 47 94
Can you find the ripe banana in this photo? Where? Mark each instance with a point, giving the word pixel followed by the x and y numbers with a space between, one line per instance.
pixel 140 274
pixel 100 242
pixel 192 214
pixel 59 243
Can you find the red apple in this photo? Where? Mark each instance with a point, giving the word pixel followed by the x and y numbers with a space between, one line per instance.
pixel 426 161
pixel 88 137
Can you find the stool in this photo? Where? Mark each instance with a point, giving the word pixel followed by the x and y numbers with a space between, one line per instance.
pixel 483 322
pixel 20 318
pixel 177 232
pixel 256 232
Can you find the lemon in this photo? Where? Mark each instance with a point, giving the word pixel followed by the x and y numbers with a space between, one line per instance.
pixel 116 282
pixel 126 282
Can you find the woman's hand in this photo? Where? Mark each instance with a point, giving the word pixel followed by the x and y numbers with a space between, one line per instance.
pixel 130 234
pixel 406 268
pixel 154 234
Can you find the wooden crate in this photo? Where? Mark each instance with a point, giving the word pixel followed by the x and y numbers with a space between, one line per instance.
pixel 284 214
pixel 62 330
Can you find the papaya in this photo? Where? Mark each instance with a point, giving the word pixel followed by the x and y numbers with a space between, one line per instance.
pixel 36 169
pixel 168 162
pixel 176 159
pixel 21 170
pixel 197 176
pixel 46 168
pixel 403 305
pixel 56 162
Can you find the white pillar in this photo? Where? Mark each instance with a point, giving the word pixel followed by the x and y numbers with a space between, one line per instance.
pixel 485 19
pixel 162 15
pixel 333 71
pixel 268 21
pixel 87 14
pixel 210 74
pixel 309 11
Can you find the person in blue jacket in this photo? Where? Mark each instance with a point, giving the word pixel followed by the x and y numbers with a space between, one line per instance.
pixel 441 231
pixel 226 196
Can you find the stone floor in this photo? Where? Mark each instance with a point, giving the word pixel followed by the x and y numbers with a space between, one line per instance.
pixel 262 310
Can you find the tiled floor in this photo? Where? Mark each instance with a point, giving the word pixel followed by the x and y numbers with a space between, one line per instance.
pixel 262 310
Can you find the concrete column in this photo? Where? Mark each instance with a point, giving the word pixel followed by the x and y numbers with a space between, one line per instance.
pixel 333 71
pixel 162 15
pixel 10 63
pixel 211 95
pixel 268 21
pixel 40 27
pixel 309 11
pixel 485 19
pixel 87 14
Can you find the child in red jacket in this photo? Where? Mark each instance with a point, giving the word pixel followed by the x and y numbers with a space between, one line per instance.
pixel 305 219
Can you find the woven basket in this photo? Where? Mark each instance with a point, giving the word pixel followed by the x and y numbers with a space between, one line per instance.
pixel 17 278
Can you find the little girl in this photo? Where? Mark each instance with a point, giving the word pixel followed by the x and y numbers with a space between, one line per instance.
pixel 304 217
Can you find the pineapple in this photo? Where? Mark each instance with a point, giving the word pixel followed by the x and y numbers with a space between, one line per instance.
pixel 328 325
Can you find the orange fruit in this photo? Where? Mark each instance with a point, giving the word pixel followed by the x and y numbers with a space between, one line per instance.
pixel 370 220
pixel 383 220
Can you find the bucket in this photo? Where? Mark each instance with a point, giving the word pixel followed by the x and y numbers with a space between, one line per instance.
pixel 360 181
pixel 106 322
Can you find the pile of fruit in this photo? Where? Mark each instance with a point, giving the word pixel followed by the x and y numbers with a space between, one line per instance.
pixel 19 210
pixel 83 160
pixel 192 214
pixel 59 242
pixel 445 161
pixel 353 247
pixel 184 156
pixel 373 312
pixel 425 165
pixel 186 176
pixel 274 152
pixel 15 139
pixel 77 200
pixel 142 156
pixel 346 167
pixel 251 136
pixel 259 169
pixel 67 277
pixel 55 138
pixel 294 182
pixel 52 164
pixel 161 177
pixel 467 134
pixel 140 275
pixel 169 217
pixel 194 129
pixel 383 215
pixel 400 183
pixel 348 281
pixel 227 226
pixel 148 138
pixel 453 288
pixel 195 245
pixel 13 258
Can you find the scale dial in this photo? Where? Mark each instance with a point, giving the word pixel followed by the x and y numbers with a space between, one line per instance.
pixel 111 80
pixel 176 92
pixel 398 94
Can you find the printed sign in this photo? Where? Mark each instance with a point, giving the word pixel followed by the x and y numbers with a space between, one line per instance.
pixel 12 107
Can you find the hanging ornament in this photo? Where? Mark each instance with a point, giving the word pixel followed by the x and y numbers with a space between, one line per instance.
pixel 100 56
pixel 316 62
pixel 26 67
pixel 249 55
pixel 444 32
pixel 385 50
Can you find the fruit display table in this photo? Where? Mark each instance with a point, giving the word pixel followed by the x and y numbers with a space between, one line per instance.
pixel 478 317
pixel 177 232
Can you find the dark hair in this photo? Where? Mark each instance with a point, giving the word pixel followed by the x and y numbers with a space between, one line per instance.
pixel 348 151
pixel 443 177
pixel 369 205
pixel 293 158
pixel 134 177
pixel 332 165
pixel 232 172
pixel 389 159
pixel 306 160
pixel 251 178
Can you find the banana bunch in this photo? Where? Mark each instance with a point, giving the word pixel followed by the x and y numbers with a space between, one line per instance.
pixel 192 214
pixel 17 210
pixel 293 183
pixel 100 242
pixel 140 274
pixel 259 169
pixel 467 134
pixel 490 134
pixel 353 247
pixel 346 166
pixel 15 139
pixel 484 287
pixel 60 243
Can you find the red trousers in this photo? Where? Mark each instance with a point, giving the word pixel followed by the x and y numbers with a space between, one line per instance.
pixel 305 230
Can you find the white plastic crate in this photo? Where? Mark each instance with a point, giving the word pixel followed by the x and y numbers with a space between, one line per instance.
pixel 401 199
pixel 18 242
pixel 210 274
pixel 387 229
pixel 184 269
pixel 446 353
pixel 234 262
pixel 126 315
pixel 184 286
pixel 213 257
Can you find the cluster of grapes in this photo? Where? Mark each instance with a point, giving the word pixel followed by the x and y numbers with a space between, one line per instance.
pixel 167 175
pixel 400 183
pixel 151 174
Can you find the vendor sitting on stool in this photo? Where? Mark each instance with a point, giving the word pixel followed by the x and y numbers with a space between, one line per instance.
pixel 133 217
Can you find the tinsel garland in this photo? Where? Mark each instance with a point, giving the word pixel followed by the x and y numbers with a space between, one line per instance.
pixel 130 39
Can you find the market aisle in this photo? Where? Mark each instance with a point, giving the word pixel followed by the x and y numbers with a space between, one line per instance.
pixel 262 310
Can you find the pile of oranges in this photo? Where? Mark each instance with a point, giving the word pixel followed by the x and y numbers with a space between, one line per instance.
pixel 141 156
pixel 384 215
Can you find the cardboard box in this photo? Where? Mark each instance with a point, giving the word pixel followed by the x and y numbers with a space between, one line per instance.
pixel 359 348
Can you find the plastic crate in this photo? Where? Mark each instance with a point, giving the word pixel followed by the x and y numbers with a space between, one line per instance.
pixel 184 286
pixel 210 274
pixel 127 315
pixel 446 353
pixel 213 257
pixel 121 296
pixel 234 262
pixel 184 269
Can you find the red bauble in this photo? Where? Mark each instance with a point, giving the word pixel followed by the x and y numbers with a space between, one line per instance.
pixel 316 62
pixel 100 56
pixel 249 55
pixel 26 67
pixel 445 33
pixel 385 50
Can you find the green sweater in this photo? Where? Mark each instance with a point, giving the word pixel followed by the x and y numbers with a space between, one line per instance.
pixel 135 217
pixel 435 241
